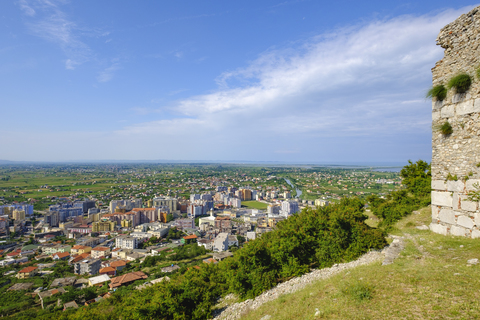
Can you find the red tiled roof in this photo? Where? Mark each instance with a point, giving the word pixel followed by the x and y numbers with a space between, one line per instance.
pixel 127 278
pixel 27 270
pixel 62 254
pixel 118 263
pixel 192 236
pixel 100 249
pixel 143 209
pixel 80 257
pixel 107 269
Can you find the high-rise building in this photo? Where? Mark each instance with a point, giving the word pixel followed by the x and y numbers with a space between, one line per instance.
pixel 103 226
pixel 18 215
pixel 171 203
pixel 246 194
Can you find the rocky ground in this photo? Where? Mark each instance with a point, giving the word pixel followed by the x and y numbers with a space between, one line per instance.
pixel 228 310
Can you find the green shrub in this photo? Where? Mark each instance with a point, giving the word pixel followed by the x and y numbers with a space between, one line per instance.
pixel 398 204
pixel 439 92
pixel 460 82
pixel 446 128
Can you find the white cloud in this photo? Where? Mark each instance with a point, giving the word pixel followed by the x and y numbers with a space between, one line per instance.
pixel 26 8
pixel 366 80
pixel 48 21
pixel 107 74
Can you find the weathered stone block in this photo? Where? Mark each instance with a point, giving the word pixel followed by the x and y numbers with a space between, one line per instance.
pixel 456 204
pixel 438 228
pixel 468 205
pixel 439 185
pixel 458 231
pixel 448 111
pixel 447 216
pixel 475 234
pixel 477 219
pixel 476 105
pixel 465 221
pixel 458 97
pixel 470 184
pixel 457 186
pixel 442 198
pixel 465 108
pixel 436 115
pixel 435 211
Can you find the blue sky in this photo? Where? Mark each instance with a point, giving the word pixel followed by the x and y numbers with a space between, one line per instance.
pixel 293 81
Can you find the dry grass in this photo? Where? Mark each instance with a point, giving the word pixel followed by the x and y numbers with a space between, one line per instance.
pixel 430 280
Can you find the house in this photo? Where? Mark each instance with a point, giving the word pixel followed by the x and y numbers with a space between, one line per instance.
pixel 98 280
pixel 134 256
pixel 221 255
pixel 232 240
pixel 100 252
pixel 79 258
pixel 210 260
pixel 51 249
pixel 61 256
pixel 171 268
pixel 63 282
pixel 221 242
pixel 206 243
pixel 79 249
pixel 108 271
pixel 189 239
pixel 87 266
pixel 45 294
pixel 118 265
pixel 27 272
pixel 71 304
pixel 127 279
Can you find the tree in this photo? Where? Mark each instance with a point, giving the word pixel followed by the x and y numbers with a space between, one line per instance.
pixel 417 177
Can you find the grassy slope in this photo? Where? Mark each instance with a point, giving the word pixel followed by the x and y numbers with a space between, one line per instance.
pixel 429 280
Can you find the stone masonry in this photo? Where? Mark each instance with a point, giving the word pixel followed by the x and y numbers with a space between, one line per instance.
pixel 455 157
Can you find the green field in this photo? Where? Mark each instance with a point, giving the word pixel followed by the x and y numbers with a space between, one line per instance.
pixel 254 205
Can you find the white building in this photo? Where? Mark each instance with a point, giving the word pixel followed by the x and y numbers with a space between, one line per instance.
pixel 221 242
pixel 288 208
pixel 126 242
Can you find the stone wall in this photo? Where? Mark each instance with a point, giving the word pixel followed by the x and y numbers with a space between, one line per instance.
pixel 455 156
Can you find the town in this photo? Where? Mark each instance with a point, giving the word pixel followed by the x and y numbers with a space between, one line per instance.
pixel 74 234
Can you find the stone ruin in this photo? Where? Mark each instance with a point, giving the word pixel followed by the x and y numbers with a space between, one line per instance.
pixel 456 156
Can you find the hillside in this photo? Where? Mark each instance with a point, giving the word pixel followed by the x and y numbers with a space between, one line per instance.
pixel 434 277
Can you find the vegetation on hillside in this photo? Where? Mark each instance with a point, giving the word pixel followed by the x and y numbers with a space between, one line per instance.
pixel 316 237
pixel 396 205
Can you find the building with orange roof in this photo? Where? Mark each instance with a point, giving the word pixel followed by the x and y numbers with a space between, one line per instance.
pixel 100 252
pixel 80 257
pixel 189 239
pixel 61 256
pixel 118 264
pixel 210 260
pixel 127 279
pixel 108 271
pixel 79 249
pixel 27 272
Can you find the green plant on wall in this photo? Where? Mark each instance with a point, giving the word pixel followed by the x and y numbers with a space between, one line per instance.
pixel 478 73
pixel 460 82
pixel 452 178
pixel 474 195
pixel 445 128
pixel 438 92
